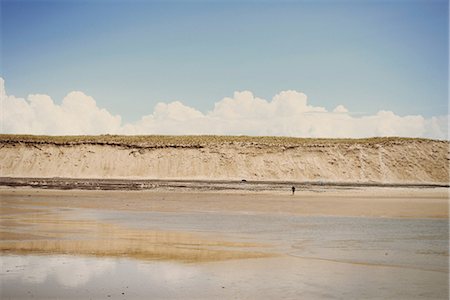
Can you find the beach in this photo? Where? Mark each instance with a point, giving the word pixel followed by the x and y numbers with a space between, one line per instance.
pixel 224 150
pixel 322 242
pixel 202 217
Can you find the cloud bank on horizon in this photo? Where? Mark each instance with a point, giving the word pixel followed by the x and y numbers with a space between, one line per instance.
pixel 287 114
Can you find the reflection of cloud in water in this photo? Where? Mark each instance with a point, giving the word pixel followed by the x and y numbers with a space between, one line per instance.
pixel 67 271
pixel 75 271
pixel 167 273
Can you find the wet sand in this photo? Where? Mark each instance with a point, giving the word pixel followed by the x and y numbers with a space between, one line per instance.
pixel 367 242
pixel 394 202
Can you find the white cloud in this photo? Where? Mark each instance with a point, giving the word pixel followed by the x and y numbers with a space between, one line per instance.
pixel 38 114
pixel 287 114
pixel 340 109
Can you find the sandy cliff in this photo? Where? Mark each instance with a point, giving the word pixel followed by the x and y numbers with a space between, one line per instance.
pixel 388 160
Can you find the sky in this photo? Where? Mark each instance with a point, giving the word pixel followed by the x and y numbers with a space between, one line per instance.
pixel 221 67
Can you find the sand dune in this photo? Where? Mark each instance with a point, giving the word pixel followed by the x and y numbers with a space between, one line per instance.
pixel 384 160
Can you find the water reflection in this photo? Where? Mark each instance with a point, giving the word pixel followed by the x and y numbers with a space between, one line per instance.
pixel 65 276
pixel 76 277
pixel 67 271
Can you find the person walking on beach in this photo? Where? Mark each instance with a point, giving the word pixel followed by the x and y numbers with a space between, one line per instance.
pixel 293 190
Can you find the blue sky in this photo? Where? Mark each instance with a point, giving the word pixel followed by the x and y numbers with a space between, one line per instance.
pixel 130 55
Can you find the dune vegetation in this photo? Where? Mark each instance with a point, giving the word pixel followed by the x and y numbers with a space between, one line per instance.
pixel 193 140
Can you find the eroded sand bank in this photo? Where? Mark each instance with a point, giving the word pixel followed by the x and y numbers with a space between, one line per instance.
pixel 380 160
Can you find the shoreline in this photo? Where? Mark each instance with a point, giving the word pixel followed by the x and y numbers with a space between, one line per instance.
pixel 60 183
pixel 384 202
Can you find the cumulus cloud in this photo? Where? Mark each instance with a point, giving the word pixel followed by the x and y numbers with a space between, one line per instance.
pixel 340 109
pixel 38 114
pixel 287 114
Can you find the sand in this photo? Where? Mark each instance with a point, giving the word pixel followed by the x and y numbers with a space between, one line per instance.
pixel 36 220
pixel 392 202
pixel 366 242
pixel 392 160
pixel 170 217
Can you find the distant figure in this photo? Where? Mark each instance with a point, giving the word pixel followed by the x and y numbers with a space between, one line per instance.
pixel 293 190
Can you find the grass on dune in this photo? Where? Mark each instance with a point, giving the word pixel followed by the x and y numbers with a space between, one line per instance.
pixel 191 140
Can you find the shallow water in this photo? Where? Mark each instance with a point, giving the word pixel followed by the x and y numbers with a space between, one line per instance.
pixel 415 243
pixel 59 276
